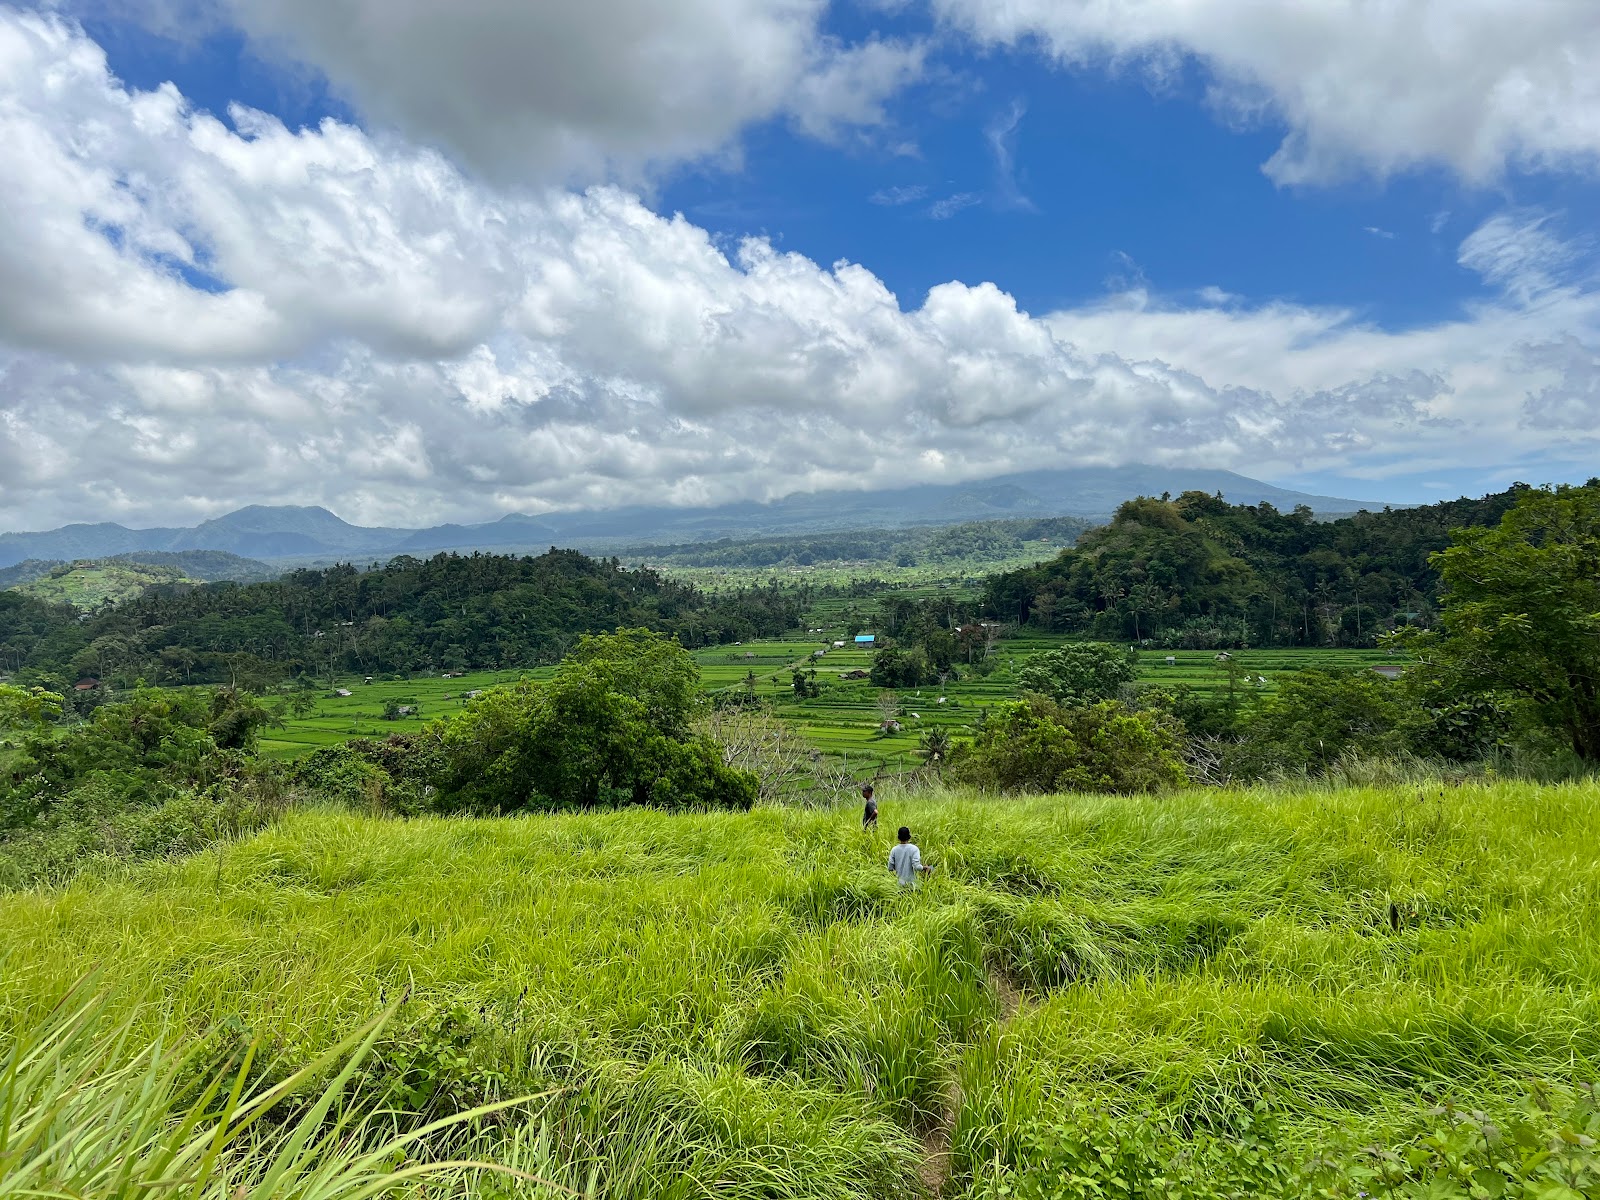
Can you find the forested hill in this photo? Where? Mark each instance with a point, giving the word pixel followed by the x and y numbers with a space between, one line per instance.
pixel 1197 571
pixel 447 612
pixel 972 543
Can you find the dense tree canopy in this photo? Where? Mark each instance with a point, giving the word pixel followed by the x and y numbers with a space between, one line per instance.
pixel 1522 613
pixel 450 612
pixel 1197 571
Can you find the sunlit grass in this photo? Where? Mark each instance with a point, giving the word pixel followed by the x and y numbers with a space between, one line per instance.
pixel 744 1004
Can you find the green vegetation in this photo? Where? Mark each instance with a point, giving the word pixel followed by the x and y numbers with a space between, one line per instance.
pixel 1037 745
pixel 164 772
pixel 1289 993
pixel 477 953
pixel 611 727
pixel 448 613
pixel 91 583
pixel 1197 571
pixel 94 584
pixel 1523 616
pixel 83 1119
pixel 853 557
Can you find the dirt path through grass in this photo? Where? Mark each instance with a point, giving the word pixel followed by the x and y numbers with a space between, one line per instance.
pixel 935 1168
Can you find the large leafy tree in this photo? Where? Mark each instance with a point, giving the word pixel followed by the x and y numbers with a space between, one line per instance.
pixel 1036 745
pixel 612 727
pixel 1078 673
pixel 1521 612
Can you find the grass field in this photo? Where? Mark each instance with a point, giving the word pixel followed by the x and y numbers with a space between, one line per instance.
pixel 1223 984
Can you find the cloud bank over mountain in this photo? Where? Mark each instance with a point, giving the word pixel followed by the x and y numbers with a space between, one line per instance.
pixel 202 309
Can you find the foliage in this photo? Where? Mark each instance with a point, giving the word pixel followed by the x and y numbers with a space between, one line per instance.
pixel 1521 616
pixel 1038 745
pixel 164 772
pixel 27 707
pixel 88 1113
pixel 1079 673
pixel 1320 715
pixel 447 613
pixel 1197 571
pixel 894 667
pixel 611 727
pixel 1544 1149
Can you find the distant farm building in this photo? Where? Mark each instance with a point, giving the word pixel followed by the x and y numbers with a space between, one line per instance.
pixel 866 639
pixel 86 685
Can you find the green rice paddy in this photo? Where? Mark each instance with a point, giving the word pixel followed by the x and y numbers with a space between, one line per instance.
pixel 844 721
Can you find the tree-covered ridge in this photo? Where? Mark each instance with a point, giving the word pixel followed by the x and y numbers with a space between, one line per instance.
pixel 969 542
pixel 1197 571
pixel 448 612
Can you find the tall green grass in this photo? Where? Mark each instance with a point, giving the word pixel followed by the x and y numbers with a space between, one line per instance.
pixel 745 1005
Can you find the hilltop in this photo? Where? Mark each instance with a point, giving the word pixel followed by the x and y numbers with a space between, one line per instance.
pixel 1271 992
pixel 91 583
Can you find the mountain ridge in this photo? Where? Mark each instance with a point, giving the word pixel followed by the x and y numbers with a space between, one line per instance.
pixel 309 533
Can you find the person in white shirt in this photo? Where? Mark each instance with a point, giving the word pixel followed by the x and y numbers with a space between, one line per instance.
pixel 905 860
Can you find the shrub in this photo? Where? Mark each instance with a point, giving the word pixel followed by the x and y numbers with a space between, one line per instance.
pixel 1038 745
pixel 612 727
pixel 1318 716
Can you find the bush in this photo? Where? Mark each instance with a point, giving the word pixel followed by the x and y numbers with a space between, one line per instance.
pixel 1317 717
pixel 612 727
pixel 1037 745
pixel 164 772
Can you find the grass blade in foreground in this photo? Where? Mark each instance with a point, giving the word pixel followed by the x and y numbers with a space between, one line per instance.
pixel 81 1116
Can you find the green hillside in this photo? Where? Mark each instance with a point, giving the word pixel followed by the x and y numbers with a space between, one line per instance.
pixel 91 583
pixel 94 583
pixel 1203 994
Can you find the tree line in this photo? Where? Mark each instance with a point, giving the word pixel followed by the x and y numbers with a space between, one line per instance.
pixel 449 612
pixel 1197 572
pixel 968 542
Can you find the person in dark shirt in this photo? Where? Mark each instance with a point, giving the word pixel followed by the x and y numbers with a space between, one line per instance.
pixel 869 814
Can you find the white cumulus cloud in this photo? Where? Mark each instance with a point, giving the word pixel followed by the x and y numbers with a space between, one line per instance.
pixel 1474 85
pixel 532 90
pixel 198 312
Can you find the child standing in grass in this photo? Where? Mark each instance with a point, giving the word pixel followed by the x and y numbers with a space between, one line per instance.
pixel 869 814
pixel 905 860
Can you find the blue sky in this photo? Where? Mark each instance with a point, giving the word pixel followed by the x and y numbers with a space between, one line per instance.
pixel 501 257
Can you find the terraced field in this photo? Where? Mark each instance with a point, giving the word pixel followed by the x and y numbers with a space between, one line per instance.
pixel 845 720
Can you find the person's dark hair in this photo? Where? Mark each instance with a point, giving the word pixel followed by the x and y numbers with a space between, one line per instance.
pixel 905 834
pixel 867 791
